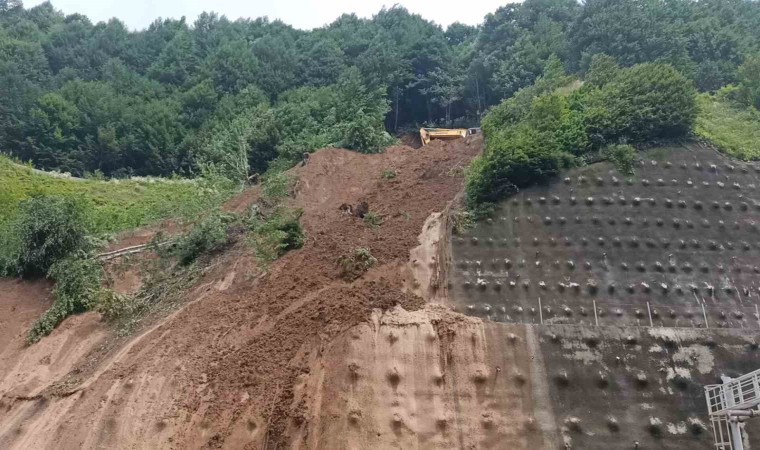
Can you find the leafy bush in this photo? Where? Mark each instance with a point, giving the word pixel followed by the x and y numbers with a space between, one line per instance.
pixel 207 236
pixel 389 174
pixel 113 306
pixel 462 221
pixel 245 143
pixel 276 233
pixel 46 230
pixel 356 263
pixel 77 287
pixel 622 156
pixel 373 219
pixel 545 128
pixel 277 185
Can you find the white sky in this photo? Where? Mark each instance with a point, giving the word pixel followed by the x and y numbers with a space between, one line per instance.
pixel 304 14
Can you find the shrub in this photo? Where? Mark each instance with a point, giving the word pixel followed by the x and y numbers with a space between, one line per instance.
pixel 364 134
pixel 77 286
pixel 113 306
pixel 510 165
pixel 546 127
pixel 275 234
pixel 373 219
pixel 47 230
pixel 389 174
pixel 277 185
pixel 356 263
pixel 462 221
pixel 622 156
pixel 207 236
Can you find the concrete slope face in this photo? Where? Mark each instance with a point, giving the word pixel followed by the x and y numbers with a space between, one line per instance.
pixel 635 291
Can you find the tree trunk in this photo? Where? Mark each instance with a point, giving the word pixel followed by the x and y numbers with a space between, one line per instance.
pixel 395 123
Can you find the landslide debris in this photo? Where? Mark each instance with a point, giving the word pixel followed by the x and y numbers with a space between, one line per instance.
pixel 222 371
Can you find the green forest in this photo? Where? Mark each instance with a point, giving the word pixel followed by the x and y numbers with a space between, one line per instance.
pixel 170 121
pixel 241 95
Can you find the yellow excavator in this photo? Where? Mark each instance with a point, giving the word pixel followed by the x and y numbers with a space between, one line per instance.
pixel 428 134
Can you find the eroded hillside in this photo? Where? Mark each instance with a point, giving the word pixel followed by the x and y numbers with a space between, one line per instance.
pixel 587 313
pixel 227 369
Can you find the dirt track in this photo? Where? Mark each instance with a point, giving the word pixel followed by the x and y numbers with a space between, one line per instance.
pixel 240 365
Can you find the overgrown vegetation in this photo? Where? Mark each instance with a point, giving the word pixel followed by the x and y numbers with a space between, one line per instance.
pixel 733 128
pixel 547 127
pixel 355 263
pixel 50 237
pixel 277 185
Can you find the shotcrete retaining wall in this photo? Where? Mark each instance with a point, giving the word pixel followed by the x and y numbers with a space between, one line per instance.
pixel 639 290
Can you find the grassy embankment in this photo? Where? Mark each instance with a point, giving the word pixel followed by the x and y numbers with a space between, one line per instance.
pixel 733 130
pixel 111 206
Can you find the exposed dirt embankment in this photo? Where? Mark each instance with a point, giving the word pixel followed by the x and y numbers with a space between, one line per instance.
pixel 233 368
pixel 428 379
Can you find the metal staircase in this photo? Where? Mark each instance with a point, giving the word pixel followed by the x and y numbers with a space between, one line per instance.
pixel 729 404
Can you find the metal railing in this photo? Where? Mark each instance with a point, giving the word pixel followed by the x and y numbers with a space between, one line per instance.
pixel 741 393
pixel 722 433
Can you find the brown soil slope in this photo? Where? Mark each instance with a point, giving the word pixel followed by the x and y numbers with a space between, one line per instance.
pixel 231 368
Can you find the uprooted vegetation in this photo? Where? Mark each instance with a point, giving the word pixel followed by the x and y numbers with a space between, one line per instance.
pixel 77 289
pixel 162 290
pixel 356 263
pixel 269 226
pixel 373 219
pixel 208 235
pixel 275 232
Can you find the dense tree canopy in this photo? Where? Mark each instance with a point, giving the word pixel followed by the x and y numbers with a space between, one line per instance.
pixel 85 97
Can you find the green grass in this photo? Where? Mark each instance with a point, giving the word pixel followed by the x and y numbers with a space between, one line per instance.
pixel 113 205
pixel 733 131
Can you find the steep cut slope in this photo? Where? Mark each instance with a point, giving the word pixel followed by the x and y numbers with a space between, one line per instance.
pixel 227 369
pixel 639 290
